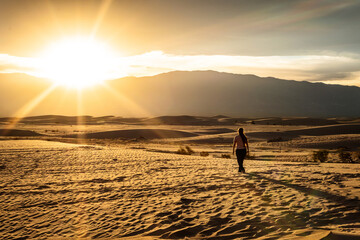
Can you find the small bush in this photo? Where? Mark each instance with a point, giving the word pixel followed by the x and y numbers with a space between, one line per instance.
pixel 182 151
pixel 189 150
pixel 185 150
pixel 321 155
pixel 344 156
pixel 225 156
pixel 204 154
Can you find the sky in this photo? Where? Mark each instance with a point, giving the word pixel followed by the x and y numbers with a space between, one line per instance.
pixel 317 40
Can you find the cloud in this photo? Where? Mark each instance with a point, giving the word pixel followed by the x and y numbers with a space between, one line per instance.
pixel 308 67
pixel 335 76
pixel 14 64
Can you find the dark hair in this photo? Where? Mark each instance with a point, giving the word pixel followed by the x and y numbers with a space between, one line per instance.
pixel 242 135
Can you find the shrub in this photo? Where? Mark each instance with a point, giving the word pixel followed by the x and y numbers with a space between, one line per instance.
pixel 189 150
pixel 204 154
pixel 225 156
pixel 321 155
pixel 344 156
pixel 185 150
pixel 182 151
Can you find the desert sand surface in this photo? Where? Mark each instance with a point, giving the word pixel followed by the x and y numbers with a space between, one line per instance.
pixel 125 181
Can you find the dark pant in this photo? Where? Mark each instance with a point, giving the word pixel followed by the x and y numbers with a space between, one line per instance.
pixel 240 155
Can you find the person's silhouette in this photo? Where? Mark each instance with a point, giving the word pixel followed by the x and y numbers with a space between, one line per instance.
pixel 241 143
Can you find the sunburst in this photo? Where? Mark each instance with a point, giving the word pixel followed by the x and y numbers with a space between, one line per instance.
pixel 77 62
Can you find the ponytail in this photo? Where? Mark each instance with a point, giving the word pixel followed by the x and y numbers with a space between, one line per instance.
pixel 242 135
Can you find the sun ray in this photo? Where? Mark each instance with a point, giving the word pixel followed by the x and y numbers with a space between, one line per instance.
pixel 80 127
pixel 80 117
pixel 102 12
pixel 22 112
pixel 134 107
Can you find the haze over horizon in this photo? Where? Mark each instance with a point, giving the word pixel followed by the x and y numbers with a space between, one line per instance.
pixel 315 41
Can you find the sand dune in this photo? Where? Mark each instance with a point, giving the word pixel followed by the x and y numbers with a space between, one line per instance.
pixel 175 120
pixel 326 137
pixel 137 133
pixel 314 131
pixel 143 190
pixel 73 192
pixel 349 141
pixel 212 131
pixel 296 121
pixel 328 130
pixel 178 120
pixel 18 133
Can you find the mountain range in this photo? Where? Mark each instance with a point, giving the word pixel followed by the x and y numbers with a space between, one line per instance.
pixel 199 93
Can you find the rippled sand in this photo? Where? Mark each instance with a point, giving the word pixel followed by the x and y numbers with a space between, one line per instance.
pixel 59 190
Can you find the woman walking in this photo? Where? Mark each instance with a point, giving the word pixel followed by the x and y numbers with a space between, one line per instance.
pixel 241 143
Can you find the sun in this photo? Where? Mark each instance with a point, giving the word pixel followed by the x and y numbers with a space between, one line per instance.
pixel 77 62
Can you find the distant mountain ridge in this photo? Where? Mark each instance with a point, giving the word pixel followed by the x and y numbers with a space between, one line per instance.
pixel 197 93
pixel 213 93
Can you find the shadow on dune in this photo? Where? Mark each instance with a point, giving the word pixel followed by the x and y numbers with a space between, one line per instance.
pixel 135 133
pixel 328 130
pixel 316 131
pixel 18 133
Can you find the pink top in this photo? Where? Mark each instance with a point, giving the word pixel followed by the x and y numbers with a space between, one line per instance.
pixel 239 142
